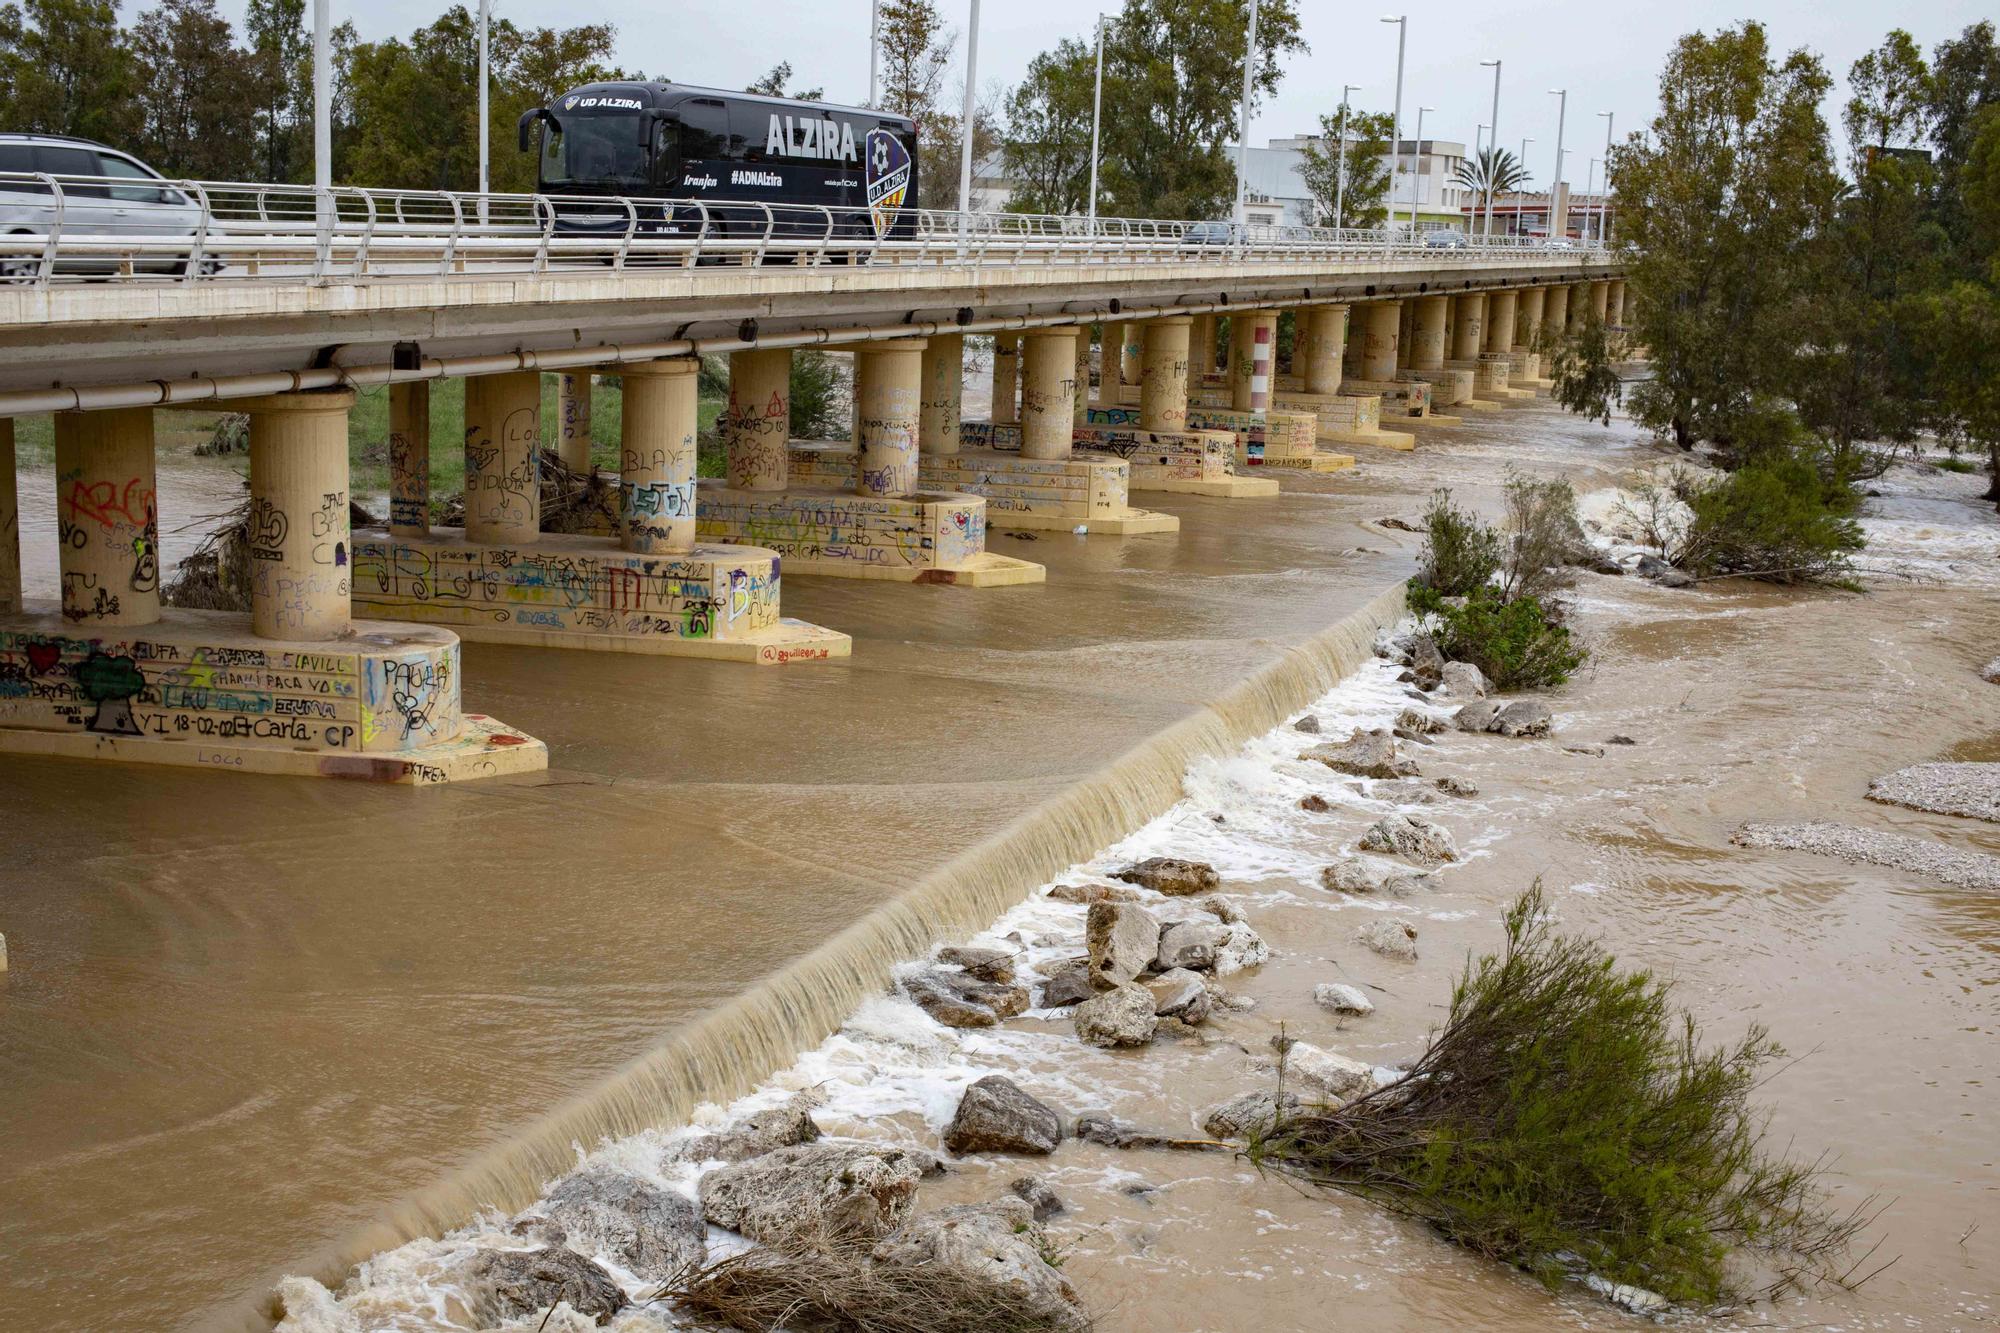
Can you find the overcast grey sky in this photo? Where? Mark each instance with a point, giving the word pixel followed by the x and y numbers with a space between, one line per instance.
pixel 1608 56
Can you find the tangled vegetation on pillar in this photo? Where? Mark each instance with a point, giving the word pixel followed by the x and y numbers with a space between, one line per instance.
pixel 1488 597
pixel 1568 1120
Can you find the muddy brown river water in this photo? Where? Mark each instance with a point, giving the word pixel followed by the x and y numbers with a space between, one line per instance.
pixel 256 1027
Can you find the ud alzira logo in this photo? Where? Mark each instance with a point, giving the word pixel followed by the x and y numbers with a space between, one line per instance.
pixel 888 177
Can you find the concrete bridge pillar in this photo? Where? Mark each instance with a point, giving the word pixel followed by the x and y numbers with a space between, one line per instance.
pixel 1163 378
pixel 1533 306
pixel 1131 357
pixel 1427 333
pixel 1079 408
pixel 107 517
pixel 300 542
pixel 1378 353
pixel 1253 343
pixel 656 456
pixel 943 389
pixel 1201 346
pixel 1615 302
pixel 573 389
pixel 1469 328
pixel 1319 340
pixel 756 425
pixel 10 522
pixel 1555 313
pixel 1500 322
pixel 1048 394
pixel 503 479
pixel 1406 335
pixel 410 459
pixel 1600 300
pixel 1579 305
pixel 889 393
pixel 1006 378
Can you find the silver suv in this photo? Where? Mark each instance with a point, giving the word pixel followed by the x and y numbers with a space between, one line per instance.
pixel 105 197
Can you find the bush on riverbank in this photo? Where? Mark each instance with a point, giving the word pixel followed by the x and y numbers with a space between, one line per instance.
pixel 1567 1120
pixel 1778 518
pixel 1517 645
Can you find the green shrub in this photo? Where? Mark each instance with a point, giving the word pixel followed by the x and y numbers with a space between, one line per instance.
pixel 1567 1119
pixel 1544 536
pixel 819 399
pixel 1460 552
pixel 1518 645
pixel 1959 465
pixel 1779 517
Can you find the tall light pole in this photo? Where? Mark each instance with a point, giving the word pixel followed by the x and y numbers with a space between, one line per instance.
pixel 1243 132
pixel 1340 172
pixel 874 47
pixel 1096 116
pixel 1402 22
pixel 1417 161
pixel 485 23
pixel 1604 204
pixel 966 126
pixel 1555 183
pixel 323 98
pixel 1525 141
pixel 1496 143
pixel 1589 187
pixel 1478 136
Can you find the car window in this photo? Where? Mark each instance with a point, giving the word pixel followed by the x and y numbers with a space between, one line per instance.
pixel 62 161
pixel 124 169
pixel 19 158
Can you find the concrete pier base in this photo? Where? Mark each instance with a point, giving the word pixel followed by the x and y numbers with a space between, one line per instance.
pixel 1174 462
pixel 198 690
pixel 575 590
pixel 1491 382
pixel 1275 439
pixel 1345 418
pixel 1019 493
pixel 822 528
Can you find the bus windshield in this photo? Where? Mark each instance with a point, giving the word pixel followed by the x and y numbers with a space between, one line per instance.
pixel 593 151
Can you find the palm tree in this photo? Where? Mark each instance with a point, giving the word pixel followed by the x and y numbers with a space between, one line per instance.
pixel 1501 167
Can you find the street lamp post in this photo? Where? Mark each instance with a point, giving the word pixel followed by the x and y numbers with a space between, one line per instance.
pixel 1243 130
pixel 874 47
pixel 1589 187
pixel 1562 110
pixel 1521 196
pixel 1340 172
pixel 1096 116
pixel 1402 22
pixel 1417 166
pixel 1496 143
pixel 965 135
pixel 1604 204
pixel 322 97
pixel 485 26
pixel 1478 137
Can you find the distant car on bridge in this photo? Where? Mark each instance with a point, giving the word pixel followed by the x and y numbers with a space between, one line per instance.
pixel 99 192
pixel 1448 239
pixel 772 167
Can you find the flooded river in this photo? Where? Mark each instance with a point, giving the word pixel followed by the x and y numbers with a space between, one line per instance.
pixel 252 1026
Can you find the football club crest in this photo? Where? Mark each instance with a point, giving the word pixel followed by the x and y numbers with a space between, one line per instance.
pixel 888 177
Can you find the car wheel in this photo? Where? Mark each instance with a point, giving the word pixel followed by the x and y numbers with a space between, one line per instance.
pixel 20 268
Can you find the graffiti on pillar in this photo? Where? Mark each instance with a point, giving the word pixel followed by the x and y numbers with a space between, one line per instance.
pixel 503 473
pixel 845 528
pixel 409 482
pixel 1079 489
pixel 329 530
pixel 754 437
pixel 1114 432
pixel 118 516
pixel 84 599
pixel 268 528
pixel 111 683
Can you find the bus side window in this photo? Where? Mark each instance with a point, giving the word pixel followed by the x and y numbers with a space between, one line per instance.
pixel 749 132
pixel 666 153
pixel 704 129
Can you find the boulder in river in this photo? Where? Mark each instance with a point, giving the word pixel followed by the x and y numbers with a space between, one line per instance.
pixel 1462 680
pixel 1426 662
pixel 815 1188
pixel 1390 938
pixel 1524 717
pixel 1241 948
pixel 1411 837
pixel 1340 998
pixel 994 1115
pixel 1189 944
pixel 1336 1076
pixel 1068 984
pixel 961 1000
pixel 1315 804
pixel 1180 993
pixel 774 1127
pixel 1123 939
pixel 1477 716
pixel 1458 786
pixel 1365 754
pixel 1251 1112
pixel 1418 723
pixel 1038 1195
pixel 1087 894
pixel 994 965
pixel 652 1232
pixel 1309 724
pixel 1365 874
pixel 1171 875
pixel 997 1245
pixel 1121 1017
pixel 1664 574
pixel 504 1285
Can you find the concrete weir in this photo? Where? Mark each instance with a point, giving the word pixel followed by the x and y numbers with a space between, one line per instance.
pixel 303 688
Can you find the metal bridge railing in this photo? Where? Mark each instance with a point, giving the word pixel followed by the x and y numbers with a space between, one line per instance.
pixel 68 229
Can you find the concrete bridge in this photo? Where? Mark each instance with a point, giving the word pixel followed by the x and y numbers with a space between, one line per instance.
pixel 281 303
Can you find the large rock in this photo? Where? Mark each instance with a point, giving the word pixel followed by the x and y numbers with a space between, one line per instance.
pixel 1426 662
pixel 1365 754
pixel 1462 680
pixel 774 1127
pixel 961 1000
pixel 1458 786
pixel 1411 837
pixel 1068 984
pixel 996 1245
pixel 1335 1076
pixel 1241 948
pixel 503 1285
pixel 1253 1112
pixel 843 1188
pixel 1664 574
pixel 996 1116
pixel 1340 998
pixel 1180 993
pixel 994 965
pixel 1190 944
pixel 1094 893
pixel 652 1232
pixel 1307 724
pixel 1391 939
pixel 1121 1017
pixel 1418 723
pixel 1523 717
pixel 1123 940
pixel 1171 875
pixel 1365 874
pixel 1038 1195
pixel 1477 716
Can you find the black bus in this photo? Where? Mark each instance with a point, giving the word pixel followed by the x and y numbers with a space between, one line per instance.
pixel 676 141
